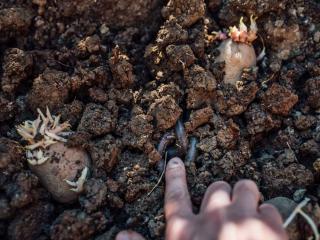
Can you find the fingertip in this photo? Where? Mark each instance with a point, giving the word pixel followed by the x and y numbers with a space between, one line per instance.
pixel 175 167
pixel 216 196
pixel 129 235
pixel 246 195
pixel 177 199
pixel 247 183
pixel 270 212
pixel 267 206
pixel 174 163
pixel 270 215
pixel 246 186
pixel 219 185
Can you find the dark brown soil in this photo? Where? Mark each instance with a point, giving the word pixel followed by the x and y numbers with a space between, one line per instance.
pixel 122 73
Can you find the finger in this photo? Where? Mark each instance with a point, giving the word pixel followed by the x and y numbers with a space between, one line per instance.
pixel 216 196
pixel 179 229
pixel 271 216
pixel 270 213
pixel 129 235
pixel 177 198
pixel 246 196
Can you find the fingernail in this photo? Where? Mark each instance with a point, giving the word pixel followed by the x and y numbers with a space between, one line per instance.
pixel 175 162
pixel 123 236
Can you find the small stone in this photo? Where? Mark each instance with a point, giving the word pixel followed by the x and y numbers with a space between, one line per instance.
pixel 104 29
pixel 90 44
pixel 284 205
pixel 279 23
pixel 299 194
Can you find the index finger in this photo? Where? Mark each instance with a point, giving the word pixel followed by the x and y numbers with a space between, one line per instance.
pixel 129 235
pixel 177 198
pixel 246 196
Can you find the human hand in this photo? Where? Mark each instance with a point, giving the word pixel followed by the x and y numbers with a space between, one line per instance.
pixel 224 214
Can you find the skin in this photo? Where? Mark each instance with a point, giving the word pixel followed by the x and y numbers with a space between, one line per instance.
pixel 225 213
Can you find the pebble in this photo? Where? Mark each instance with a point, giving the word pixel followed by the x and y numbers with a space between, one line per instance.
pixel 284 205
pixel 299 194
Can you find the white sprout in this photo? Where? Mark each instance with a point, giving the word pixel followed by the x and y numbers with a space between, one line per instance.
pixel 309 220
pixel 242 26
pixel 77 186
pixel 41 133
pixel 253 24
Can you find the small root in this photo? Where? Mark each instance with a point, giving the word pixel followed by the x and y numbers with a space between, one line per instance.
pixel 298 210
pixel 161 176
pixel 77 186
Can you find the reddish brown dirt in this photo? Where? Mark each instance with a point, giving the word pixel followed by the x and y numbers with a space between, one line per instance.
pixel 122 73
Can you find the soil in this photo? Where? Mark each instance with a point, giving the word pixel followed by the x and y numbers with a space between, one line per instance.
pixel 122 73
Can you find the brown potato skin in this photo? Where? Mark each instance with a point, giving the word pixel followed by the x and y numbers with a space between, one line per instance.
pixel 64 163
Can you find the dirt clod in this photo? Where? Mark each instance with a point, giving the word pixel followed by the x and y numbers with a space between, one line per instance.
pixel 282 180
pixel 180 56
pixel 105 153
pixel 31 223
pixel 198 118
pixel 259 121
pixel 97 120
pixel 7 109
pixel 80 225
pixel 14 21
pixel 186 12
pixel 11 156
pixel 166 112
pixel 50 89
pixel 279 100
pixel 17 68
pixel 312 89
pixel 121 69
pixel 201 86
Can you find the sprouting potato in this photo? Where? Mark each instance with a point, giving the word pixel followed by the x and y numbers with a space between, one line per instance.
pixel 61 168
pixel 236 56
pixel 56 165
pixel 237 51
